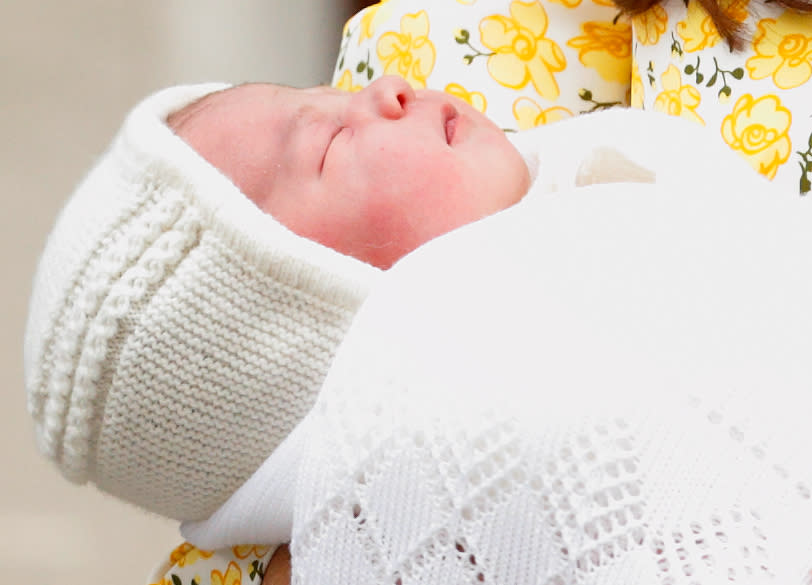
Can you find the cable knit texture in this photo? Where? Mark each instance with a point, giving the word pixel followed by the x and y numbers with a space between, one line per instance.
pixel 176 333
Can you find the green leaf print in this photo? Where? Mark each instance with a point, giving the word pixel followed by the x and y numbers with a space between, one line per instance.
pixel 805 183
pixel 587 96
pixel 676 47
pixel 257 570
pixel 345 42
pixel 463 37
pixel 365 66
pixel 718 72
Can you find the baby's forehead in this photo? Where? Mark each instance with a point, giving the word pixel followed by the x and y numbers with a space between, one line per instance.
pixel 237 96
pixel 251 95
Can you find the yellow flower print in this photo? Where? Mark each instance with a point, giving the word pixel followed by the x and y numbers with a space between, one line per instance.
pixel 521 52
pixel 637 89
pixel 186 554
pixel 698 31
pixel 474 98
pixel 233 575
pixel 604 2
pixel 677 99
pixel 409 53
pixel 164 581
pixel 568 3
pixel 370 17
pixel 757 129
pixel 529 114
pixel 783 50
pixel 649 25
pixel 607 48
pixel 366 29
pixel 243 551
pixel 345 82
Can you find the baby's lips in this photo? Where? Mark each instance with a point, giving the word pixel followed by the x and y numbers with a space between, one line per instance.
pixel 450 120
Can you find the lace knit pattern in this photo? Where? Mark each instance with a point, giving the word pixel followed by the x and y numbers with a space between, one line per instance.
pixel 629 412
pixel 676 493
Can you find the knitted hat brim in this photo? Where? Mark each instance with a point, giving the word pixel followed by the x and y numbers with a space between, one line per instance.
pixel 176 332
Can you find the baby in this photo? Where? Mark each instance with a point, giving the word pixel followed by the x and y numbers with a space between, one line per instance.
pixel 193 292
pixel 371 175
pixel 178 332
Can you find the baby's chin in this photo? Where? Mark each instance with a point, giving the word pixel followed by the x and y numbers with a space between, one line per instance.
pixel 521 174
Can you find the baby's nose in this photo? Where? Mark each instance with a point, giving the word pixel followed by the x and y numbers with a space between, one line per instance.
pixel 388 96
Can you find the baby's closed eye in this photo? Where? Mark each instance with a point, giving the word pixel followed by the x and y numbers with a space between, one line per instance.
pixel 329 144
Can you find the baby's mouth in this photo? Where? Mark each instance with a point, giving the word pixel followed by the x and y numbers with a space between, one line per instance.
pixel 450 117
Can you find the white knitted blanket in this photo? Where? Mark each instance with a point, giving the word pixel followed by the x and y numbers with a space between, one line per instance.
pixel 605 385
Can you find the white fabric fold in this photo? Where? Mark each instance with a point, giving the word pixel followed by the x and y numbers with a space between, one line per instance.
pixel 261 510
pixel 607 383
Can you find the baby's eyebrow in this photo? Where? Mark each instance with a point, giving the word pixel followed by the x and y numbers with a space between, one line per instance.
pixel 291 129
pixel 303 119
pixel 305 112
pixel 333 90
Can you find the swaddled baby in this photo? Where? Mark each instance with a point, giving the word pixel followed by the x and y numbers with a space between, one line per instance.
pixel 194 288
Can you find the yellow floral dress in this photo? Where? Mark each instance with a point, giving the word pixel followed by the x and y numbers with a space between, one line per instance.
pixel 239 565
pixel 758 99
pixel 521 62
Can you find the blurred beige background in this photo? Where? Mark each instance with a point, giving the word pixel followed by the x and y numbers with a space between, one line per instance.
pixel 68 73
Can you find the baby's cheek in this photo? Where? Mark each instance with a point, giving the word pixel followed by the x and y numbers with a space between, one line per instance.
pixel 403 214
pixel 444 198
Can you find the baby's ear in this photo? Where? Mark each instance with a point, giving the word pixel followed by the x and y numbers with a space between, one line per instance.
pixel 605 164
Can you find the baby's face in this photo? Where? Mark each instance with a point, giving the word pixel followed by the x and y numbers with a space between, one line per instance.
pixel 373 174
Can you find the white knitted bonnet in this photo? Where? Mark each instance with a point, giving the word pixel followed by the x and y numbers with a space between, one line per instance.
pixel 176 333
